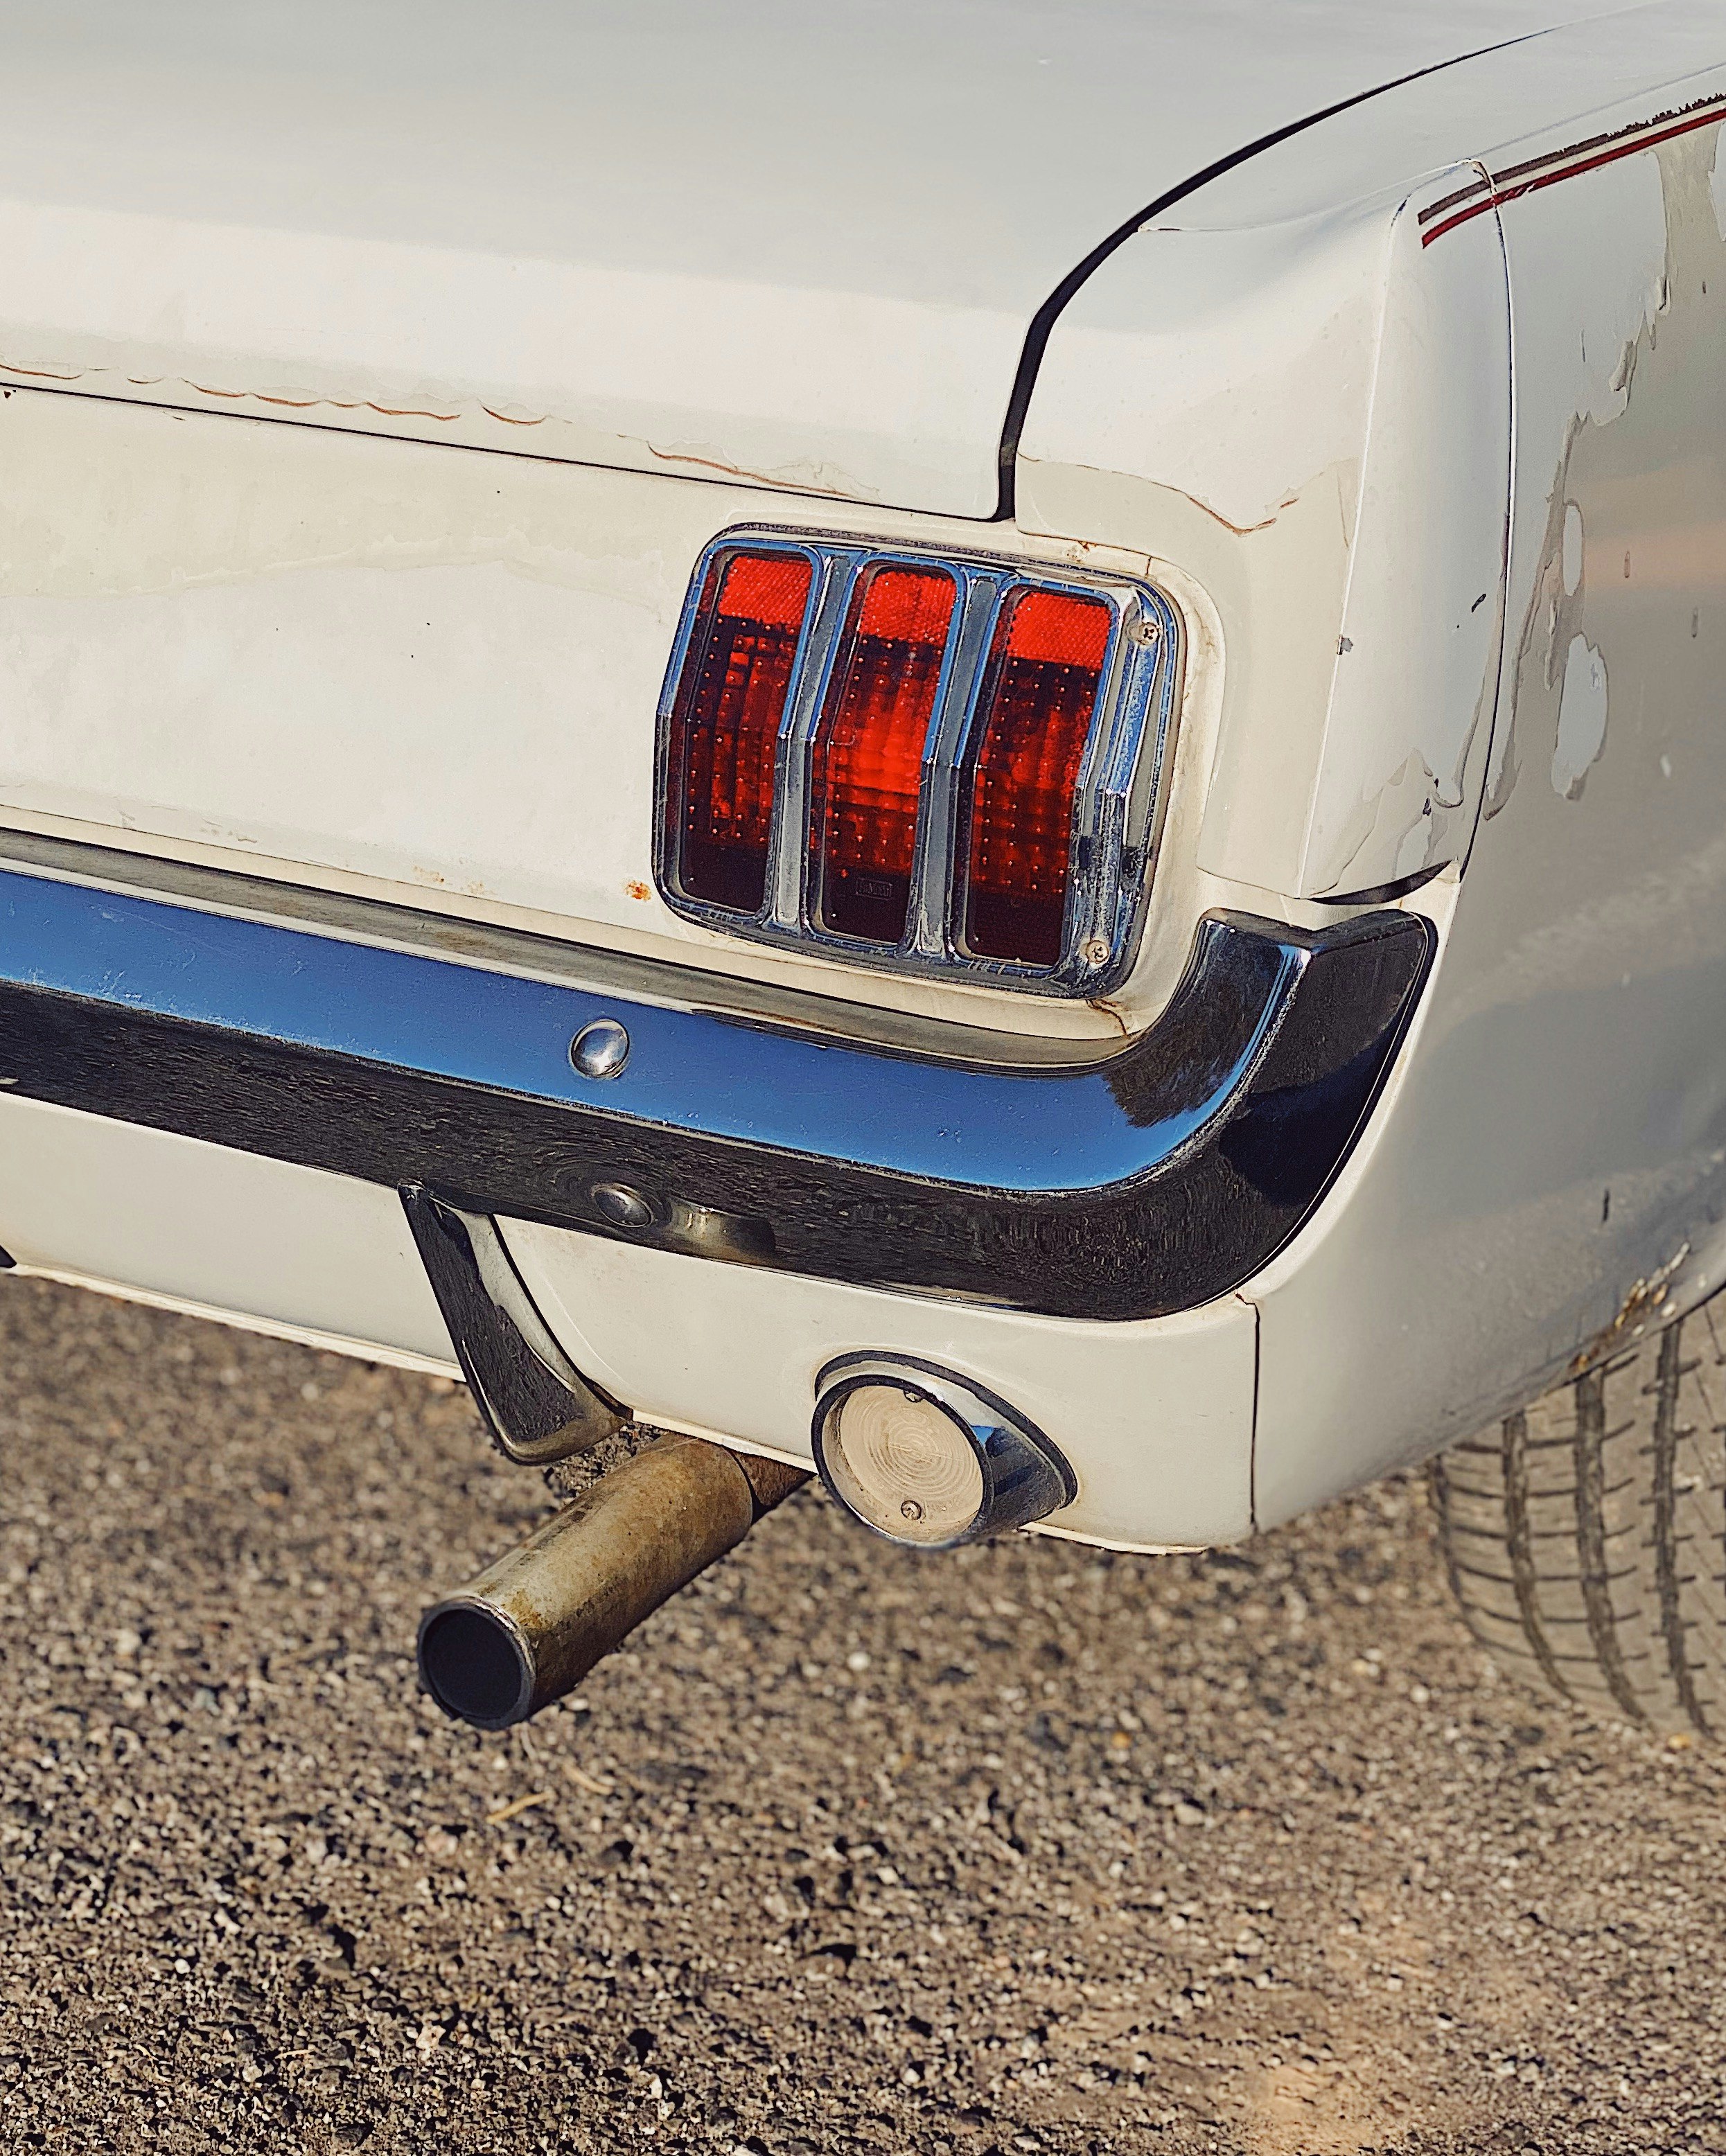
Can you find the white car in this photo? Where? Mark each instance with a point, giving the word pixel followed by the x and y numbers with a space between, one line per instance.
pixel 979 744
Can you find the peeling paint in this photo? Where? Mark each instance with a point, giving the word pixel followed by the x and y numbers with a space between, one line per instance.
pixel 1572 556
pixel 798 477
pixel 1239 530
pixel 1614 297
pixel 281 399
pixel 1344 477
pixel 811 479
pixel 1553 167
pixel 1582 719
pixel 1588 997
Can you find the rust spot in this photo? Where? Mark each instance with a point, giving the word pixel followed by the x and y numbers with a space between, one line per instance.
pixel 634 888
pixel 1640 1308
pixel 1105 1009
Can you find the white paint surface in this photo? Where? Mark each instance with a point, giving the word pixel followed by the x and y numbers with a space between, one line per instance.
pixel 404 672
pixel 1155 1418
pixel 1334 399
pixel 190 1225
pixel 1557 1133
pixel 798 242
pixel 232 649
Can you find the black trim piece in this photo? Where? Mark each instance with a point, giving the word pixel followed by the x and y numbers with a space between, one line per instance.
pixel 1197 1215
pixel 1386 893
pixel 537 1404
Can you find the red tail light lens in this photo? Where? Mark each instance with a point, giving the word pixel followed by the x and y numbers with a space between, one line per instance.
pixel 1022 771
pixel 728 725
pixel 867 767
pixel 814 797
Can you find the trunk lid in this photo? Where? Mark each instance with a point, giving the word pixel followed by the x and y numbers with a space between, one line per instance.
pixel 793 244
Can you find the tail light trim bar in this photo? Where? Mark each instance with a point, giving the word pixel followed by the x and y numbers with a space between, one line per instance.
pixel 1118 800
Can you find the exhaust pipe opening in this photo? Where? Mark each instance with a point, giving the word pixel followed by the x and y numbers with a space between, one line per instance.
pixel 474 1667
pixel 531 1625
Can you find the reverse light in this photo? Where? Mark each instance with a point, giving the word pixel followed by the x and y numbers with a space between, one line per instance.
pixel 726 724
pixel 1021 775
pixel 928 1459
pixel 866 772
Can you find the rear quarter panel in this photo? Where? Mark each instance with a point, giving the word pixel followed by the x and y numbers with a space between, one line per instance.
pixel 1551 1179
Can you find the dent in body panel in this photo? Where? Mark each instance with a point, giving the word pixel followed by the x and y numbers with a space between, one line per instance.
pixel 1411 705
pixel 1204 397
pixel 1333 401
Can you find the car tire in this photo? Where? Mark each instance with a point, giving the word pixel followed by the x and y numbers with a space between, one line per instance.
pixel 1586 1536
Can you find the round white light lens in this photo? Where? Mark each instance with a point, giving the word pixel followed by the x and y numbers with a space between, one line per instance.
pixel 903 1464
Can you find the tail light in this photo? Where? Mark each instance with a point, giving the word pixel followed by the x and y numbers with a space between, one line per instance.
pixel 1021 774
pixel 726 725
pixel 867 766
pixel 936 764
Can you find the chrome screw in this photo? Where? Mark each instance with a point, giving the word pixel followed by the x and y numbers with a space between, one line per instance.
pixel 601 1050
pixel 1096 952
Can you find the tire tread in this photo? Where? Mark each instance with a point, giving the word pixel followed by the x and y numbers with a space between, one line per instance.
pixel 1585 1537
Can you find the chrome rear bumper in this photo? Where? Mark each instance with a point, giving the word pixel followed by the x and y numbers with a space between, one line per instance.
pixel 1150 1182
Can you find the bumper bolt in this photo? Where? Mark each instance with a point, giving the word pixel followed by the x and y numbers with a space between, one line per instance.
pixel 601 1050
pixel 624 1208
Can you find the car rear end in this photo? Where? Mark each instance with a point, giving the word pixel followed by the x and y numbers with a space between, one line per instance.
pixel 874 853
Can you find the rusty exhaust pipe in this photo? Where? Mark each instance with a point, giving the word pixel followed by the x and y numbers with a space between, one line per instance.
pixel 533 1625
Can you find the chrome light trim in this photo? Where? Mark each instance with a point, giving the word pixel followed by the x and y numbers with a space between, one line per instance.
pixel 1119 803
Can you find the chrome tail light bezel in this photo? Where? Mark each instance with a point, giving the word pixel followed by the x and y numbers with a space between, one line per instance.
pixel 1119 802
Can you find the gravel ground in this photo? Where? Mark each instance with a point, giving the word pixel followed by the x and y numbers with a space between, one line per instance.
pixel 1023 1849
